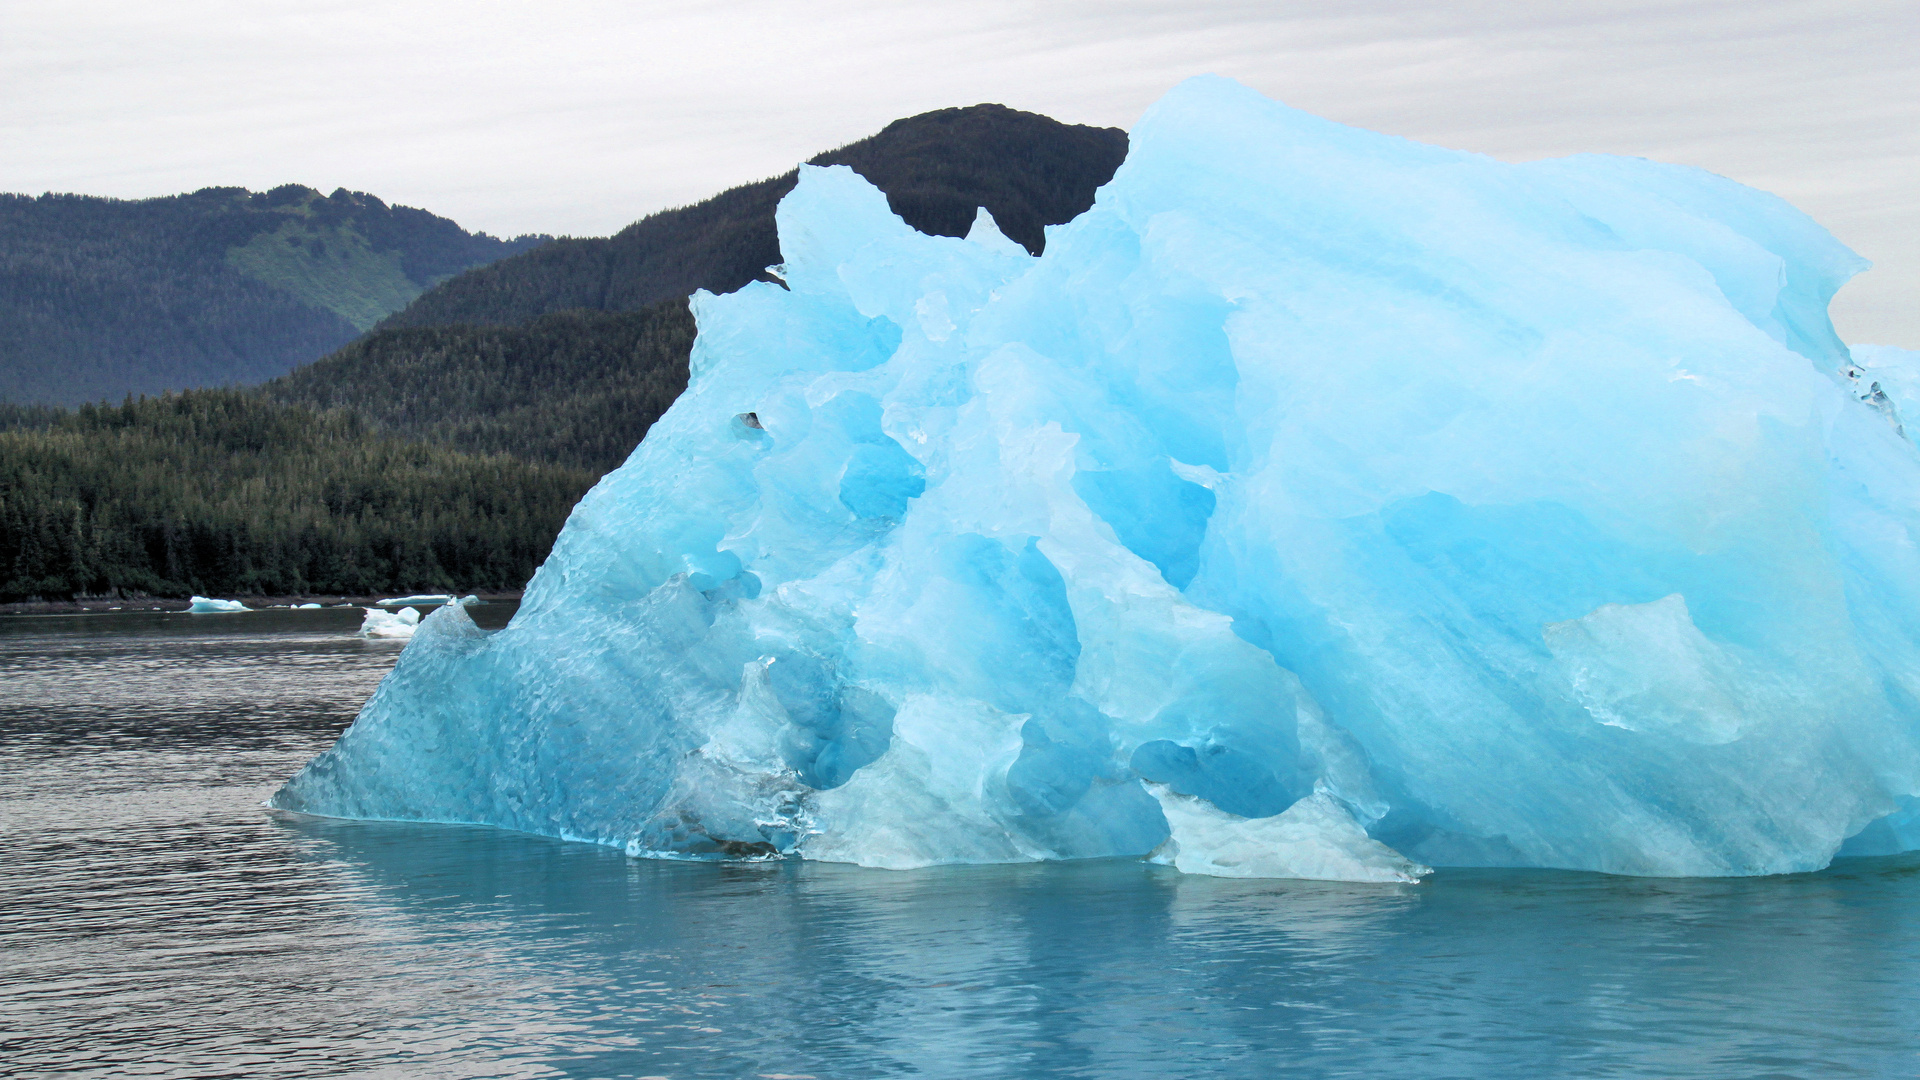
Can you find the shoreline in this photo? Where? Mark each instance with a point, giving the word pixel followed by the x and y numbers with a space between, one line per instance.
pixel 107 604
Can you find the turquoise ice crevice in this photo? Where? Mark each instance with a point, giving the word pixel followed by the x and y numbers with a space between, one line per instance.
pixel 1319 504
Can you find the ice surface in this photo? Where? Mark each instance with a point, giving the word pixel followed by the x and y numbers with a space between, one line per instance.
pixel 422 598
pixel 389 624
pixel 206 605
pixel 1316 837
pixel 1889 380
pixel 1319 503
pixel 304 607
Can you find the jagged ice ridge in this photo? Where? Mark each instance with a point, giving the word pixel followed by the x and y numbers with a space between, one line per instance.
pixel 1320 504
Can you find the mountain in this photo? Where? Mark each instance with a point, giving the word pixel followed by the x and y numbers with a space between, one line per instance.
pixel 566 354
pixel 100 298
pixel 1028 170
pixel 576 388
pixel 443 449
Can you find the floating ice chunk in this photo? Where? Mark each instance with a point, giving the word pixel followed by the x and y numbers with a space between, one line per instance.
pixel 389 624
pixel 1354 489
pixel 206 605
pixel 1314 838
pixel 423 598
pixel 305 607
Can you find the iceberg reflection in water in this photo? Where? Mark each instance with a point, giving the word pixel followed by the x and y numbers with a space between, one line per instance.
pixel 637 967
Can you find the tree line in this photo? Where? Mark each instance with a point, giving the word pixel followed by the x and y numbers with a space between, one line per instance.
pixel 224 492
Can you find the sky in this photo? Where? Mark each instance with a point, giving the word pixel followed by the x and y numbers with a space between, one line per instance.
pixel 581 117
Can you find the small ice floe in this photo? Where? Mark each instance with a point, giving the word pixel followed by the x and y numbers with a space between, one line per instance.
pixel 389 624
pixel 304 607
pixel 207 605
pixel 423 598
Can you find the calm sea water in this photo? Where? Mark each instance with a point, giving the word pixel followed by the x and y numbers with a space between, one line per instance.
pixel 155 921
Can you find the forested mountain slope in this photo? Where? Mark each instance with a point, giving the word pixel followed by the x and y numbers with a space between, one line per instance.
pixel 577 388
pixel 937 168
pixel 100 298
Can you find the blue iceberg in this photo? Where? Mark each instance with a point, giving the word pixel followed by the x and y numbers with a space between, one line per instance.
pixel 1319 504
pixel 207 605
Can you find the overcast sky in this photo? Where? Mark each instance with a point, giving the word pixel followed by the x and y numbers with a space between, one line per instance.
pixel 580 117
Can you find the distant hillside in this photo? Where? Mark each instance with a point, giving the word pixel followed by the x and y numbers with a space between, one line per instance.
pixel 1029 171
pixel 220 492
pixel 567 354
pixel 577 388
pixel 100 298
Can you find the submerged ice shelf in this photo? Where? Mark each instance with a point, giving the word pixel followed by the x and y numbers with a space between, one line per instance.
pixel 1320 503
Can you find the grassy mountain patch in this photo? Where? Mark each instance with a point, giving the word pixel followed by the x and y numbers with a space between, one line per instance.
pixel 329 267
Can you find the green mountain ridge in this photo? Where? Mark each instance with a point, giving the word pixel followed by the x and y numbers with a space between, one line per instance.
pixel 100 298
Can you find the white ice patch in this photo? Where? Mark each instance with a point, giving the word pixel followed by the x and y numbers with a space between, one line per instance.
pixel 934 797
pixel 389 624
pixel 1314 838
pixel 1205 475
pixel 1647 668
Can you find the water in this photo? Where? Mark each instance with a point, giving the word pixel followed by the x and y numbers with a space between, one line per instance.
pixel 155 921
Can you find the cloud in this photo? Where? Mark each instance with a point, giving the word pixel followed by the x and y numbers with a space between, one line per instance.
pixel 582 117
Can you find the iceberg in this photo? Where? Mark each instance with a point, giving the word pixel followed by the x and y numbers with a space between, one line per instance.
pixel 305 607
pixel 1320 503
pixel 423 598
pixel 206 605
pixel 389 624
